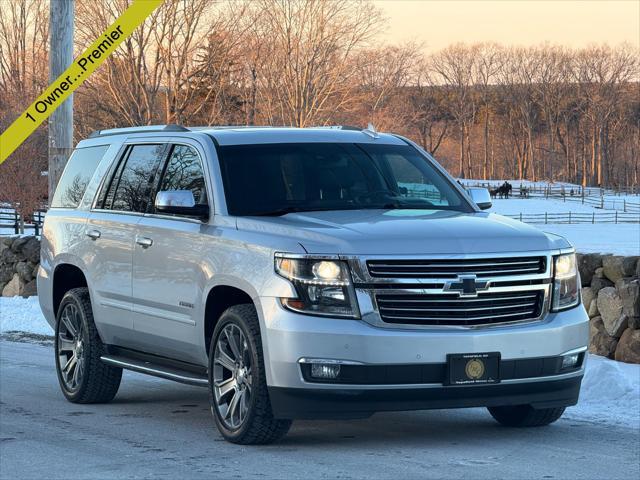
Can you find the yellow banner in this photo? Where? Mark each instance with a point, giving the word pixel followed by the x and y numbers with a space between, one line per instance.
pixel 72 78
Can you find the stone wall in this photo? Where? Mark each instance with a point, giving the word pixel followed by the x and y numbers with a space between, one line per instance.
pixel 611 297
pixel 19 259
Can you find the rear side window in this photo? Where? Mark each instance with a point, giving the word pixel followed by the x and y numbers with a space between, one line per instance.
pixel 76 177
pixel 184 172
pixel 131 185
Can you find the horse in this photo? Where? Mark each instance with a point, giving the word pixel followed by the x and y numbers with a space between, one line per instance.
pixel 503 191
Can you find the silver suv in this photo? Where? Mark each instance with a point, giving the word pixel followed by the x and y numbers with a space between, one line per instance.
pixel 303 273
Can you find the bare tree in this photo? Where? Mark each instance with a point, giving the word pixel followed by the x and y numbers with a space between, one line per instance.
pixel 382 74
pixel 455 66
pixel 489 61
pixel 309 46
pixel 600 72
pixel 426 114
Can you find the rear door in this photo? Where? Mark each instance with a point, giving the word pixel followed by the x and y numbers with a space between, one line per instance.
pixel 122 202
pixel 168 271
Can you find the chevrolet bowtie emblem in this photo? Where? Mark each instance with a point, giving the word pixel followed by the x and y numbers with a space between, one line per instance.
pixel 466 286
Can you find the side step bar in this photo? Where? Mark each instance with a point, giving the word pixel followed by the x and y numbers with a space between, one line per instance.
pixel 156 370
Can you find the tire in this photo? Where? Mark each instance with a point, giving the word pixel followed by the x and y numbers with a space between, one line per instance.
pixel 525 415
pixel 88 380
pixel 242 377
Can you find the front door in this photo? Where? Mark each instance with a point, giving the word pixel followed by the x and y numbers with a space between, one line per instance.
pixel 168 272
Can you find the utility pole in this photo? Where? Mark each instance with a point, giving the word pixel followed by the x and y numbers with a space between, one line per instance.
pixel 60 57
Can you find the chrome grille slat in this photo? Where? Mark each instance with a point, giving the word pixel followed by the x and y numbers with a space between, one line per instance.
pixel 453 273
pixel 455 298
pixel 451 268
pixel 454 265
pixel 446 309
pixel 475 309
pixel 442 321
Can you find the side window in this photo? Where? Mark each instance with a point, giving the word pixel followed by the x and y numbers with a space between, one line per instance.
pixel 184 172
pixel 76 177
pixel 130 188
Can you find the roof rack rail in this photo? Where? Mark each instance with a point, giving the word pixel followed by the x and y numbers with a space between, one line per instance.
pixel 142 129
pixel 370 130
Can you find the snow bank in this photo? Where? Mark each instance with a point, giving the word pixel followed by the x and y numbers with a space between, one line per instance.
pixel 24 315
pixel 610 393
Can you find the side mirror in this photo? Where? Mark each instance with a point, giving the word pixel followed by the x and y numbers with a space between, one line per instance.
pixel 180 202
pixel 481 197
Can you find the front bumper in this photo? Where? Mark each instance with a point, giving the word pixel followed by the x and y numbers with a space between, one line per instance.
pixel 289 337
pixel 296 403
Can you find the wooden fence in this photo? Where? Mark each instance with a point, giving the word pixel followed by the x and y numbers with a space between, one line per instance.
pixel 591 196
pixel 10 222
pixel 614 217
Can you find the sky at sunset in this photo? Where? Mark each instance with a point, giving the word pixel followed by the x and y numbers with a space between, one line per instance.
pixel 576 23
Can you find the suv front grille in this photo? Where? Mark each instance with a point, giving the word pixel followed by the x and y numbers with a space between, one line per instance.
pixel 445 268
pixel 450 310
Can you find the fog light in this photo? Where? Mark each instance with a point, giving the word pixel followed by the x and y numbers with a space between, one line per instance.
pixel 325 371
pixel 570 361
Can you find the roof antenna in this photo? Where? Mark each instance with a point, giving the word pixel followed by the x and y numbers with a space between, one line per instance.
pixel 371 131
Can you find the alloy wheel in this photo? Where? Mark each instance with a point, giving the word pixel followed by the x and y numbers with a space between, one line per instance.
pixel 70 347
pixel 232 376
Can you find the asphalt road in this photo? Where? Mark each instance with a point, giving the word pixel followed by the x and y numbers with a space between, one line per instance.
pixel 159 429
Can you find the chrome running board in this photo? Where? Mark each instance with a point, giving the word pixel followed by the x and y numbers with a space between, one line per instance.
pixel 156 370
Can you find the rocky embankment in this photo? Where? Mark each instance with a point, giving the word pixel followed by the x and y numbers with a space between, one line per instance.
pixel 611 297
pixel 19 260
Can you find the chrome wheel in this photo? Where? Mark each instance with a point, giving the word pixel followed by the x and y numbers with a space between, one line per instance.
pixel 232 376
pixel 70 347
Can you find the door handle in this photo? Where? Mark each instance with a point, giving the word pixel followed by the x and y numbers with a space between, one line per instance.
pixel 93 234
pixel 144 242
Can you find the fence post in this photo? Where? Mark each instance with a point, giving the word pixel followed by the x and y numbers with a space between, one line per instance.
pixel 16 225
pixel 545 218
pixel 593 217
pixel 602 202
pixel 569 218
pixel 624 205
pixel 520 216
pixel 616 216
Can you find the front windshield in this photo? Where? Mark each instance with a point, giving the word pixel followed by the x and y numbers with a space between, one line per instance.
pixel 275 179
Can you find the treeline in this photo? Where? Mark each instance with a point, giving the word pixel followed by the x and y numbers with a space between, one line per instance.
pixel 485 110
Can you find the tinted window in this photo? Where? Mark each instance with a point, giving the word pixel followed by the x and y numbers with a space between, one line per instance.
pixel 414 177
pixel 130 188
pixel 274 179
pixel 184 172
pixel 80 168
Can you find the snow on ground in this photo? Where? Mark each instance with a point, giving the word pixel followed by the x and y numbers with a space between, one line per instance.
pixel 24 315
pixel 514 206
pixel 620 239
pixel 610 390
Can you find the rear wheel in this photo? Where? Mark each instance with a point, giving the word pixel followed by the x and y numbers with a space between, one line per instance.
pixel 525 415
pixel 237 382
pixel 83 377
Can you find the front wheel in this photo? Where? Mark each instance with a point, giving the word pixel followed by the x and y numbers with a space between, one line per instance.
pixel 83 377
pixel 525 415
pixel 237 382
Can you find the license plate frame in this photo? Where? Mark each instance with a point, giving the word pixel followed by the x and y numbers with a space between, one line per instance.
pixel 473 368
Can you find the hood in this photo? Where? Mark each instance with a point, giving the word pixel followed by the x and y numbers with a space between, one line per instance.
pixel 404 232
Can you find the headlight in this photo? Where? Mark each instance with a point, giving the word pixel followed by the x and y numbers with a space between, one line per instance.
pixel 566 293
pixel 323 285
